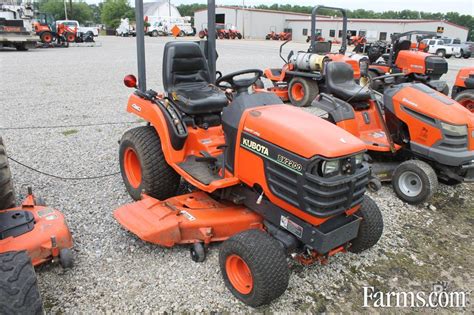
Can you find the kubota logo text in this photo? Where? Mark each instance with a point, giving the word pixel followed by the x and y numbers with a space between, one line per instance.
pixel 255 146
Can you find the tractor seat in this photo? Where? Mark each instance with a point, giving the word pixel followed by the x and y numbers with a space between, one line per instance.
pixel 340 82
pixel 186 80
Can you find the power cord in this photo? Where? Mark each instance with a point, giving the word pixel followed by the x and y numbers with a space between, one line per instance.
pixel 60 177
pixel 70 126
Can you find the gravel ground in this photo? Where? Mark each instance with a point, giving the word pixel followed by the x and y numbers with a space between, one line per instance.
pixel 115 271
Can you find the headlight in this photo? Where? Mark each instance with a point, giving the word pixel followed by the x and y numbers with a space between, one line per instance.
pixel 330 167
pixel 458 130
pixel 359 158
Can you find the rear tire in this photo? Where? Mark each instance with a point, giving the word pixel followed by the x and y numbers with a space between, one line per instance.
pixel 466 99
pixel 7 194
pixel 414 181
pixel 302 91
pixel 254 267
pixel 19 293
pixel 371 226
pixel 144 167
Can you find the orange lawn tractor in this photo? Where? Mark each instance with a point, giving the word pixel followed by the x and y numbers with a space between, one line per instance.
pixel 264 195
pixel 30 234
pixel 463 89
pixel 234 33
pixel 418 66
pixel 302 76
pixel 417 136
pixel 272 35
pixel 50 33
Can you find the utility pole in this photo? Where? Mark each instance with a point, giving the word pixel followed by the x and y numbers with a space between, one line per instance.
pixel 243 19
pixel 70 7
pixel 65 10
pixel 169 7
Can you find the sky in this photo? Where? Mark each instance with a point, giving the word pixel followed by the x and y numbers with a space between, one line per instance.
pixel 461 6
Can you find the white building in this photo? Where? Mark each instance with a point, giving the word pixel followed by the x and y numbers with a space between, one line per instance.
pixel 160 8
pixel 252 23
pixel 255 23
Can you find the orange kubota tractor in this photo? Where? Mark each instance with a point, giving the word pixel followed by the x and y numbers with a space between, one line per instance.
pixel 418 66
pixel 264 185
pixel 302 76
pixel 418 136
pixel 30 234
pixel 45 27
pixel 463 89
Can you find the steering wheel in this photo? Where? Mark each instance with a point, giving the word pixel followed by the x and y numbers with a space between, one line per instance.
pixel 239 84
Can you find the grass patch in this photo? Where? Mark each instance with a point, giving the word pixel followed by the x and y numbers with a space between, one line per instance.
pixel 70 132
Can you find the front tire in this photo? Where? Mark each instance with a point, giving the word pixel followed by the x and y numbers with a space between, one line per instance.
pixel 302 91
pixel 19 293
pixel 414 181
pixel 144 167
pixel 7 194
pixel 466 99
pixel 371 227
pixel 441 52
pixel 254 267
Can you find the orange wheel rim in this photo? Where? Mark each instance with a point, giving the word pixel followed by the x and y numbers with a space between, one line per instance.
pixel 132 167
pixel 47 38
pixel 297 91
pixel 239 274
pixel 71 38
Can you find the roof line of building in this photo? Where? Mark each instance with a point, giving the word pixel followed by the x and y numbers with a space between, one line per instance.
pixel 261 10
pixel 381 21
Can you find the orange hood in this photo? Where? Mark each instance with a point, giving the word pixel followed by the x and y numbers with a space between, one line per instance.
pixel 300 132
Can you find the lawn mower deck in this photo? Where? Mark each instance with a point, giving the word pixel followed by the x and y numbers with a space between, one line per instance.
pixel 40 230
pixel 186 219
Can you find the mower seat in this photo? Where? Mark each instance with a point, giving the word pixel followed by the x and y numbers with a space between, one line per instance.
pixel 186 80
pixel 340 82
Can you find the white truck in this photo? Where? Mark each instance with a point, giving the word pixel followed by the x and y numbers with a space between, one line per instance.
pixel 162 25
pixel 15 27
pixel 465 49
pixel 80 29
pixel 438 47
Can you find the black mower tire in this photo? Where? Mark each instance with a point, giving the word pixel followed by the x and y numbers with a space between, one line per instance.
pixel 419 173
pixel 7 194
pixel 158 180
pixel 266 261
pixel 371 226
pixel 66 258
pixel 310 90
pixel 19 293
pixel 465 95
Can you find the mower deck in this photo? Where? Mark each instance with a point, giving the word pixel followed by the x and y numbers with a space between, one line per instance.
pixel 185 219
pixel 40 230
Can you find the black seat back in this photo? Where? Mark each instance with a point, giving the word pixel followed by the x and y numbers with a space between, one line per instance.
pixel 184 65
pixel 340 82
pixel 400 45
pixel 339 73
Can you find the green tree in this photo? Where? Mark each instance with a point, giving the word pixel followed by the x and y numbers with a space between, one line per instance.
pixel 81 11
pixel 114 10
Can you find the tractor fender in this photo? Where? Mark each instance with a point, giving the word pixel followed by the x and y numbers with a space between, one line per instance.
pixel 160 118
pixel 338 109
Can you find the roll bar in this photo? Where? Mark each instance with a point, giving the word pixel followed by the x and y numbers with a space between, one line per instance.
pixel 140 34
pixel 343 48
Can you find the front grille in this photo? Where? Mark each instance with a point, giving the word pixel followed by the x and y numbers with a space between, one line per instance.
pixel 454 142
pixel 317 195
